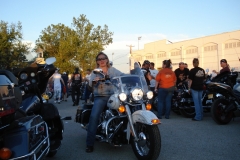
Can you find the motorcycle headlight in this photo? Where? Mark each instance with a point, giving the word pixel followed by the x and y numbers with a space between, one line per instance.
pixel 137 94
pixel 149 94
pixel 122 96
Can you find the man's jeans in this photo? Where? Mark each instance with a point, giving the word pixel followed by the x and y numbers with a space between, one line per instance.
pixel 197 99
pixel 98 107
pixel 164 101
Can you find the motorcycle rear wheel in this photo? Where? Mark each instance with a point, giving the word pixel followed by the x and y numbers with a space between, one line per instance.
pixel 218 111
pixel 149 144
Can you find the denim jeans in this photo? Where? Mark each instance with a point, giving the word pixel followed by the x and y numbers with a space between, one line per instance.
pixel 98 107
pixel 164 102
pixel 197 99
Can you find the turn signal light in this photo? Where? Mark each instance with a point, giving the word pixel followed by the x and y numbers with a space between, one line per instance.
pixel 5 153
pixel 121 109
pixel 155 121
pixel 148 106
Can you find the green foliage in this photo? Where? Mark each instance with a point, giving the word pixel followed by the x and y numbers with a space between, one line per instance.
pixel 12 51
pixel 76 46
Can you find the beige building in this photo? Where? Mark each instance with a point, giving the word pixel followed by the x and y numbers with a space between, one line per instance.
pixel 210 50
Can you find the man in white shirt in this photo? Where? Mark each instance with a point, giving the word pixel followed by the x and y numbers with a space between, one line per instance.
pixel 57 79
pixel 154 73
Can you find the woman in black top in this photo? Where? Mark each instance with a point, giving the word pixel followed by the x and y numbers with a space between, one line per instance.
pixel 196 78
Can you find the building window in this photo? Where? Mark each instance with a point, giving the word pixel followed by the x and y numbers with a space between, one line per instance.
pixel 161 55
pixel 232 45
pixel 193 50
pixel 210 48
pixel 149 57
pixel 176 53
pixel 138 59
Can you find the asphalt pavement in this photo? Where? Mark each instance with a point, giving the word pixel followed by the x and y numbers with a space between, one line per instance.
pixel 182 139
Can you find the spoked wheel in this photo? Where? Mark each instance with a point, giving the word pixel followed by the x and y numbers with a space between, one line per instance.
pixel 188 112
pixel 149 144
pixel 218 111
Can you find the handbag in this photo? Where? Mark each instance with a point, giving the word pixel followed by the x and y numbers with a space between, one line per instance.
pixel 64 89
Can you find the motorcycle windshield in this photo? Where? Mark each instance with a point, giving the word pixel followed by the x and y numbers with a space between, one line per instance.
pixel 139 72
pixel 134 79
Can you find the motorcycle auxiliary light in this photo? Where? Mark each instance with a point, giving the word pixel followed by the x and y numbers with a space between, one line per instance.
pixel 149 94
pixel 122 96
pixel 5 153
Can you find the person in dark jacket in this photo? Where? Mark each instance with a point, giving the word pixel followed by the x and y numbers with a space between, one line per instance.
pixel 196 79
pixel 76 81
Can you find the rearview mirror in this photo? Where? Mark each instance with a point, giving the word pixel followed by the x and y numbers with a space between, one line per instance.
pixel 50 60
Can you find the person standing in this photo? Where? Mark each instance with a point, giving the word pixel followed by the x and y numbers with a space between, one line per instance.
pixel 87 91
pixel 65 79
pixel 196 82
pixel 57 79
pixel 154 73
pixel 181 74
pixel 148 77
pixel 76 81
pixel 165 86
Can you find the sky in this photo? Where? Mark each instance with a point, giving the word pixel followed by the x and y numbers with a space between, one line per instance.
pixel 152 20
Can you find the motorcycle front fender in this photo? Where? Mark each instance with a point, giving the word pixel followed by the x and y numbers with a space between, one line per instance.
pixel 144 116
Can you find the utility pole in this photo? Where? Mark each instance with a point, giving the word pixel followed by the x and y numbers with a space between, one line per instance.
pixel 139 38
pixel 130 56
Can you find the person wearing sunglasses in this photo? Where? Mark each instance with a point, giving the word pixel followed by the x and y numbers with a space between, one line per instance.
pixel 225 67
pixel 102 92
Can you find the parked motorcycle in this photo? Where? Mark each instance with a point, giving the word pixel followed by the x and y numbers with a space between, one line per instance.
pixel 222 110
pixel 127 117
pixel 182 102
pixel 29 128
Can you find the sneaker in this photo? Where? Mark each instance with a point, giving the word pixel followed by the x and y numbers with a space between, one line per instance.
pixel 58 101
pixel 55 101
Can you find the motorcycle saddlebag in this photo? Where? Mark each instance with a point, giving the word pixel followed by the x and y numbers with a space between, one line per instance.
pixel 27 135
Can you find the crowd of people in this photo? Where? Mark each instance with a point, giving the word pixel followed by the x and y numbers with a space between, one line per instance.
pixel 165 81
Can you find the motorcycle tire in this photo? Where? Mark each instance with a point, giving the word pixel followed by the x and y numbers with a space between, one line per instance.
pixel 218 111
pixel 188 112
pixel 51 154
pixel 149 144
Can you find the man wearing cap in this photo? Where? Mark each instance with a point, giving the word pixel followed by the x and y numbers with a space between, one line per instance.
pixel 225 67
pixel 181 74
pixel 148 77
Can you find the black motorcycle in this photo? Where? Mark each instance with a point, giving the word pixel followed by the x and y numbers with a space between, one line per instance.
pixel 222 110
pixel 182 102
pixel 29 128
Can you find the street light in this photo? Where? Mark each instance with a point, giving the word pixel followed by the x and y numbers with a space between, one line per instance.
pixel 139 38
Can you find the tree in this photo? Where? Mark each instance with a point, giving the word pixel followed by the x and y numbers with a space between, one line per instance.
pixel 12 51
pixel 78 44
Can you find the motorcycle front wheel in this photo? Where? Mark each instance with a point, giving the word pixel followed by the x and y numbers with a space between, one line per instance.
pixel 149 144
pixel 218 111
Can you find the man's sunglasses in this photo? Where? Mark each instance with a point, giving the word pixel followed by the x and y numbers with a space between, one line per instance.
pixel 99 59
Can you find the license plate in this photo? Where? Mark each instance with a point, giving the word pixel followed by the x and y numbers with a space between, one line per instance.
pixel 210 96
